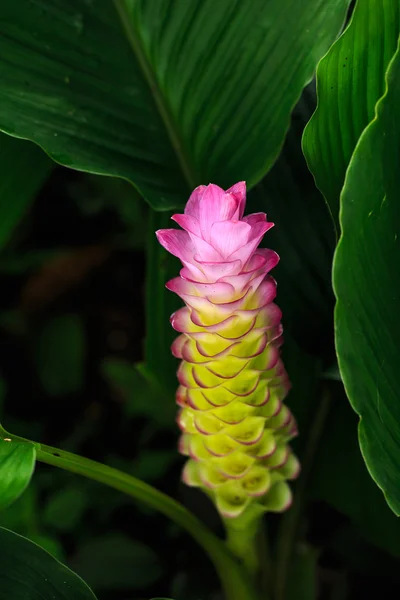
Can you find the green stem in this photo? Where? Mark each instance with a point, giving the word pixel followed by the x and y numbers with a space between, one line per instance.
pixel 264 554
pixel 247 540
pixel 290 523
pixel 243 544
pixel 234 581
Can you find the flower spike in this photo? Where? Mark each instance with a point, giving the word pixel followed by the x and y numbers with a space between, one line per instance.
pixel 235 427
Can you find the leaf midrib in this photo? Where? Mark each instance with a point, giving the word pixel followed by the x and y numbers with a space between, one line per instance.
pixel 170 125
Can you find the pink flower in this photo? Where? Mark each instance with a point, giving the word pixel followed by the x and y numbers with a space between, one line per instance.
pixel 232 380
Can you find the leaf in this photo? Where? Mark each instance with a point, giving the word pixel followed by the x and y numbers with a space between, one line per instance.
pixel 350 80
pixel 160 365
pixel 28 571
pixel 366 280
pixel 199 91
pixel 117 562
pixel 139 397
pixel 65 508
pixel 303 237
pixel 340 478
pixel 17 462
pixel 59 353
pixel 24 168
pixel 302 579
pixel 304 397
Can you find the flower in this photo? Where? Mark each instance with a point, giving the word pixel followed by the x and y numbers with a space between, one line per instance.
pixel 235 427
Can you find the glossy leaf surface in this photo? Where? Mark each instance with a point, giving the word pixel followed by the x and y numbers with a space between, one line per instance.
pixel 367 285
pixel 28 571
pixel 167 94
pixel 350 80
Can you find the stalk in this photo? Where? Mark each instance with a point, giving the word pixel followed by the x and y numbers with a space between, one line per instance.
pixel 234 580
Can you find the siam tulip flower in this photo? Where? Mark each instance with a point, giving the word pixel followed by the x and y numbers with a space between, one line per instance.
pixel 235 427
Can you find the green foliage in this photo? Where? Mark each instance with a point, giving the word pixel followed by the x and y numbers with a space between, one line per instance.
pixel 350 80
pixel 24 168
pixel 303 237
pixel 341 479
pixel 160 366
pixel 367 283
pixel 59 354
pixel 167 95
pixel 302 580
pixel 116 561
pixel 27 571
pixel 65 508
pixel 139 396
pixel 17 462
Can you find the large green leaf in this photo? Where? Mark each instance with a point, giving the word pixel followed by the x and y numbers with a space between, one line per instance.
pixel 367 285
pixel 23 169
pixel 197 91
pixel 29 572
pixel 350 80
pixel 17 462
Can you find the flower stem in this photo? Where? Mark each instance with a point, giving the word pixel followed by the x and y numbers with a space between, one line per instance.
pixel 234 580
pixel 247 540
pixel 289 527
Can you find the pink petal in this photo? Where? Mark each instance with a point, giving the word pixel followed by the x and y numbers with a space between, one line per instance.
pixel 215 270
pixel 177 242
pixel 229 236
pixel 215 205
pixel 204 250
pixel 188 223
pixel 192 205
pixel 244 252
pixel 239 191
pixel 217 292
pixel 255 218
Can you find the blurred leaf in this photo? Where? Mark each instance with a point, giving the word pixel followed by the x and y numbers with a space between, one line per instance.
pixel 59 353
pixel 366 278
pixel 3 389
pixel 302 578
pixel 14 264
pixel 65 508
pixel 149 466
pixel 17 462
pixel 24 168
pixel 340 478
pixel 361 555
pixel 303 237
pixel 94 194
pixel 166 107
pixel 153 464
pixel 29 572
pixel 332 373
pixel 160 365
pixel 116 561
pixel 140 398
pixel 350 80
pixel 303 398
